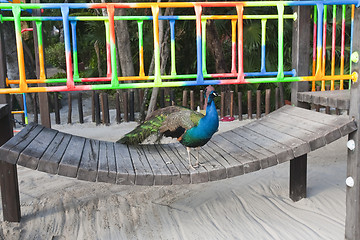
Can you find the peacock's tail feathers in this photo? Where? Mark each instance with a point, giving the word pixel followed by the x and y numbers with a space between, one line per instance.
pixel 171 121
pixel 143 131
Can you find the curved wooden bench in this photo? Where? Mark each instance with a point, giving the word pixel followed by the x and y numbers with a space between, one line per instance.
pixel 337 99
pixel 283 135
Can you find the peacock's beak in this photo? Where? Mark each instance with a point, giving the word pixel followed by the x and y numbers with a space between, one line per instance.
pixel 215 94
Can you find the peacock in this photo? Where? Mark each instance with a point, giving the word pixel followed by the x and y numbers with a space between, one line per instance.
pixel 192 129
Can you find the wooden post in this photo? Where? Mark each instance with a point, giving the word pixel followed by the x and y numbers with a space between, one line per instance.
pixel 327 108
pixel 184 100
pixel 106 109
pixel 240 105
pixel 298 168
pixel 117 106
pixel 93 106
pixel 192 100
pixel 97 108
pixel 201 101
pixel 249 104
pixel 352 223
pixel 69 107
pixel 80 108
pixel 56 108
pixel 301 51
pixel 35 101
pixel 222 105
pixel 8 172
pixel 231 103
pixel 300 62
pixel 126 112
pixel 43 96
pixel 162 98
pixel 172 98
pixel 267 101
pixel 131 106
pixel 317 106
pixel 277 99
pixel 258 104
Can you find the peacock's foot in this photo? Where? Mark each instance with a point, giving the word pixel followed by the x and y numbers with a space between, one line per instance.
pixel 197 164
pixel 191 167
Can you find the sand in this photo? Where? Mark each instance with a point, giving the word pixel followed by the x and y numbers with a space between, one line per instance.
pixel 252 206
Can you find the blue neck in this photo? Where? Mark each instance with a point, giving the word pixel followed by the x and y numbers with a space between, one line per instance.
pixel 210 123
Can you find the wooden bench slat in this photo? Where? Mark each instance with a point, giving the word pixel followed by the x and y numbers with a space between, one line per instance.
pixel 213 165
pixel 107 163
pixel 30 156
pixel 265 157
pixel 249 161
pixel 49 161
pixel 233 167
pixel 18 143
pixel 283 153
pixel 178 165
pixel 124 166
pixel 298 146
pixel 285 123
pixel 162 174
pixel 143 172
pixel 88 166
pixel 69 163
pixel 198 175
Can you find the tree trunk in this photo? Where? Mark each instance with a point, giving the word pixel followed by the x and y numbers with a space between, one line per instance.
pixel 164 51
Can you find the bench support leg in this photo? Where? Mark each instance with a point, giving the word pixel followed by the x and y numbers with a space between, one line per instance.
pixel 8 178
pixel 10 192
pixel 298 169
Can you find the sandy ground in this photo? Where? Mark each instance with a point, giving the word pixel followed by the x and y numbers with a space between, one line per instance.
pixel 252 206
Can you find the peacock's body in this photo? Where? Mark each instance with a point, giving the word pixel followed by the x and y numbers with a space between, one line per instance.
pixel 192 129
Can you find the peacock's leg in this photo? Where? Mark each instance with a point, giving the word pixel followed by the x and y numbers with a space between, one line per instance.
pixel 190 165
pixel 197 163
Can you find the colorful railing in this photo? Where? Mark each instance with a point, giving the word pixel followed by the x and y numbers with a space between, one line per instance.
pixel 112 81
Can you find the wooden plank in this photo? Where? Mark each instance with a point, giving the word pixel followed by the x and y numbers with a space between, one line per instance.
pixel 30 156
pixel 175 164
pixel 282 152
pixel 69 163
pixel 49 161
pixel 233 167
pixel 107 163
pixel 298 146
pixel 249 161
pixel 11 149
pixel 265 157
pixel 315 138
pixel 200 174
pixel 124 167
pixel 88 166
pixel 215 169
pixel 162 175
pixel 143 172
pixel 342 123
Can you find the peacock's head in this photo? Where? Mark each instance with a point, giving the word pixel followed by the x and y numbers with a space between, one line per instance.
pixel 212 95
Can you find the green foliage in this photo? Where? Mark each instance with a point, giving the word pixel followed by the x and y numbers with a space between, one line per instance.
pixel 55 55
